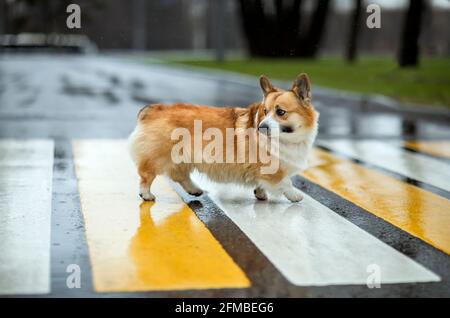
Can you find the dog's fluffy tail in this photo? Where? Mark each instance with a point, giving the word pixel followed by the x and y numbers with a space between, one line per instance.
pixel 147 110
pixel 142 110
pixel 133 144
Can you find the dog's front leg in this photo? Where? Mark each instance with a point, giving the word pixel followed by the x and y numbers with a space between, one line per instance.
pixel 289 191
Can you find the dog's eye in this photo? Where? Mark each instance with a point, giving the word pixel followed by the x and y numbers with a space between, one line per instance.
pixel 265 111
pixel 280 112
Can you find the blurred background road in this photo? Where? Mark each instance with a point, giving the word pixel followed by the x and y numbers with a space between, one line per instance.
pixel 377 193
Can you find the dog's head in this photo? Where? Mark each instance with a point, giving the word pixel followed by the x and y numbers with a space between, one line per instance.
pixel 288 112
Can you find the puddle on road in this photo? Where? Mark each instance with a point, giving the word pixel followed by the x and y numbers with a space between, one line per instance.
pixel 70 88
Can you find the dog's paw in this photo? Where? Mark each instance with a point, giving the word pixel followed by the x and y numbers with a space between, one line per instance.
pixel 293 195
pixel 191 188
pixel 196 192
pixel 260 194
pixel 147 196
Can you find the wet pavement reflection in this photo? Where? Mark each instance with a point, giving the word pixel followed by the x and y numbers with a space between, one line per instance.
pixel 172 249
pixel 94 96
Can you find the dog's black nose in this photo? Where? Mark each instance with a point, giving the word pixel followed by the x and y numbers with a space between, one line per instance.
pixel 264 128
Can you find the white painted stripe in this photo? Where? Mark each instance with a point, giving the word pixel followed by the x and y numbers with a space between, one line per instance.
pixel 309 243
pixel 26 169
pixel 388 156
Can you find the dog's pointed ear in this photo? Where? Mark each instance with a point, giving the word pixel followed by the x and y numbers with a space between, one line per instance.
pixel 302 87
pixel 266 86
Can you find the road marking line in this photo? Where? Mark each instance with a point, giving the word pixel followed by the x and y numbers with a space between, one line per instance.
pixel 310 244
pixel 26 170
pixel 439 149
pixel 137 246
pixel 414 210
pixel 432 171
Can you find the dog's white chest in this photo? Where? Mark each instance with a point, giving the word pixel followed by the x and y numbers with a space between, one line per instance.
pixel 294 158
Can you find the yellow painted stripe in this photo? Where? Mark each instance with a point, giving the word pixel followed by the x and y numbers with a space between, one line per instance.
pixel 435 148
pixel 418 212
pixel 137 246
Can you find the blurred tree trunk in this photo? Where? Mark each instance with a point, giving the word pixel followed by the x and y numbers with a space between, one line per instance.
pixel 3 16
pixel 409 47
pixel 139 26
pixel 355 27
pixel 253 12
pixel 315 30
pixel 279 35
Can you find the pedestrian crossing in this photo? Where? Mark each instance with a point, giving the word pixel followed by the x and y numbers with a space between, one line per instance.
pixel 164 245
pixel 138 246
pixel 310 244
pixel 416 211
pixel 439 149
pixel 411 165
pixel 25 206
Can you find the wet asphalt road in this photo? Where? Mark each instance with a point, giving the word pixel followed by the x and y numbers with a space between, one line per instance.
pixel 61 97
pixel 90 97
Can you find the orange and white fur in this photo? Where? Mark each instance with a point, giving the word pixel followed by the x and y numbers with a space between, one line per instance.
pixel 287 112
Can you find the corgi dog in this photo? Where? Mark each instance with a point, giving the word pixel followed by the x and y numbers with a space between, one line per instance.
pixel 287 115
